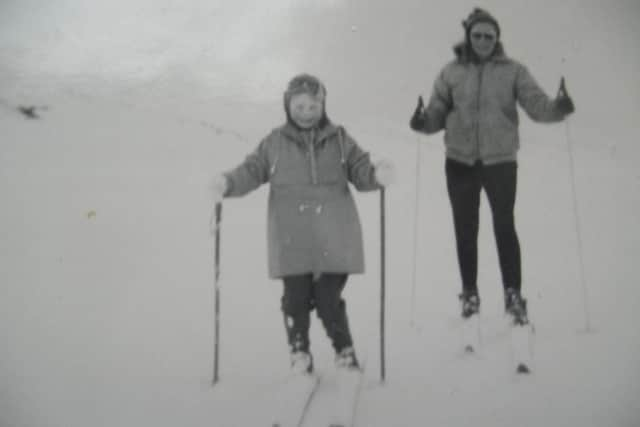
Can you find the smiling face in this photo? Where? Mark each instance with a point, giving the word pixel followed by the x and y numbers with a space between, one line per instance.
pixel 483 37
pixel 306 110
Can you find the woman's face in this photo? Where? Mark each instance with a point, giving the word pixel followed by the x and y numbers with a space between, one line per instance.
pixel 483 39
pixel 305 110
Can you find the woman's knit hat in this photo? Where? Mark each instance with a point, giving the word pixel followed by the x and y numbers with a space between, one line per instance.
pixel 479 15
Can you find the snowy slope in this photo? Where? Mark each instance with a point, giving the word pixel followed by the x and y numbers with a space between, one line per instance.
pixel 106 262
pixel 107 282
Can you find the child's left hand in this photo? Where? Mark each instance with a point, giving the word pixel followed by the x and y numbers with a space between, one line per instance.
pixel 384 173
pixel 218 187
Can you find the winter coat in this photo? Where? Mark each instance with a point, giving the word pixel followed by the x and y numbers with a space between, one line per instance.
pixel 313 224
pixel 475 102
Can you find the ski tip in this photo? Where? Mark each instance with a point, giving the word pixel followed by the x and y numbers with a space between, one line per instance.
pixel 523 369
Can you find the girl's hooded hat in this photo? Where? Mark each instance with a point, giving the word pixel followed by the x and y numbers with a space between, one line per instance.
pixel 305 83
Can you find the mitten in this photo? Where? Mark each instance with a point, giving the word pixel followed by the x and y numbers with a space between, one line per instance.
pixel 384 173
pixel 417 120
pixel 563 101
pixel 218 186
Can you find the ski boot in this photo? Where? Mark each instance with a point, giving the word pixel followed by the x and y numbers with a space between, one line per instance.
pixel 470 304
pixel 346 359
pixel 516 307
pixel 301 363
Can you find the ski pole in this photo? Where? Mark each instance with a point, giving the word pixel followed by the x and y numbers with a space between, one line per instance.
pixel 216 281
pixel 585 292
pixel 382 284
pixel 415 233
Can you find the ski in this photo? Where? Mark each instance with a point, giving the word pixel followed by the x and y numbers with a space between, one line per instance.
pixel 349 385
pixel 471 334
pixel 292 400
pixel 522 347
pixel 335 400
pixel 520 330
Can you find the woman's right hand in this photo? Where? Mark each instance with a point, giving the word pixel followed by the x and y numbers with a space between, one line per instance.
pixel 563 101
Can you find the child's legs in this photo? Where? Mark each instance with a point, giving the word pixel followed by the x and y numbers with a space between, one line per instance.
pixel 296 305
pixel 331 308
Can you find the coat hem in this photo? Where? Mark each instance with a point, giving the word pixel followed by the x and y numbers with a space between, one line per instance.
pixel 486 160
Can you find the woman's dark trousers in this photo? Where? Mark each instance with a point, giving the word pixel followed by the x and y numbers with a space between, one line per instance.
pixel 464 184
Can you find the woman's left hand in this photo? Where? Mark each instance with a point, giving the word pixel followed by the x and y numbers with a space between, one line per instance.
pixel 417 119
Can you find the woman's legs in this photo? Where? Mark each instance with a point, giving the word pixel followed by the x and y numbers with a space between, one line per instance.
pixel 499 182
pixel 463 185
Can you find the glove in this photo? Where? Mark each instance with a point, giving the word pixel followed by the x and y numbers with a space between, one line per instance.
pixel 417 120
pixel 563 101
pixel 384 173
pixel 219 187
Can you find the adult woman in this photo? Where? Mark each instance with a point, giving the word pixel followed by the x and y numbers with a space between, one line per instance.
pixel 474 100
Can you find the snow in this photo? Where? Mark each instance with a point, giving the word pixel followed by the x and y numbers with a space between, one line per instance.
pixel 106 261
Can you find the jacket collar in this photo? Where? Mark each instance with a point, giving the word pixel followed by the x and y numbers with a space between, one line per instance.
pixel 295 134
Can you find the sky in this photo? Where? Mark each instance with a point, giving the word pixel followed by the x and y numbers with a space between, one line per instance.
pixel 374 58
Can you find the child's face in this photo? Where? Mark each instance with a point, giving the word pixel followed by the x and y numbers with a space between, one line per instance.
pixel 305 110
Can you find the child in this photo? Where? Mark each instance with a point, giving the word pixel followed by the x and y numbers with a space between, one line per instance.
pixel 314 232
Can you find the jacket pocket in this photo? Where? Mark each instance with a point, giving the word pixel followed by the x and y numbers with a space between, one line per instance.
pixel 460 136
pixel 499 137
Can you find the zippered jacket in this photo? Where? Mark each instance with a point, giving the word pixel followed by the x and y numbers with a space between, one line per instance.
pixel 476 105
pixel 313 224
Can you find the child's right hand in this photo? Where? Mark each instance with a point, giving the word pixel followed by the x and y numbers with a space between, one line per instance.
pixel 218 187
